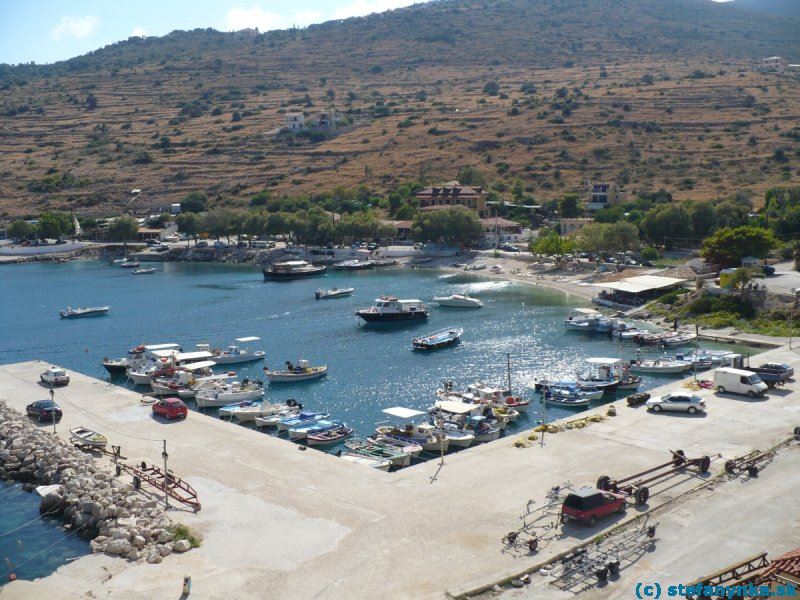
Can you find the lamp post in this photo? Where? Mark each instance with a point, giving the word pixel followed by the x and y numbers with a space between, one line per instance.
pixel 53 407
pixel 165 456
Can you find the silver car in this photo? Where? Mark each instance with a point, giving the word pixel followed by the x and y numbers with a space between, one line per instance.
pixel 690 403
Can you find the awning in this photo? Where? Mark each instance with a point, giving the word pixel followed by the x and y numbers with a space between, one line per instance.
pixel 192 356
pixel 203 364
pixel 456 408
pixel 586 311
pixel 642 283
pixel 604 361
pixel 245 340
pixel 164 353
pixel 403 413
pixel 152 347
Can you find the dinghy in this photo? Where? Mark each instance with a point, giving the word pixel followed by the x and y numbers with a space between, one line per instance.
pixel 83 436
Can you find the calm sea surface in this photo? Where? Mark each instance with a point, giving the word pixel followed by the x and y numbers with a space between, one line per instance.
pixel 370 368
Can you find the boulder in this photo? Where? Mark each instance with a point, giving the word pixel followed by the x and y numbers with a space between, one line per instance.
pixel 52 504
pixel 133 554
pixel 164 549
pixel 181 546
pixel 154 558
pixel 163 536
pixel 117 547
pixel 138 541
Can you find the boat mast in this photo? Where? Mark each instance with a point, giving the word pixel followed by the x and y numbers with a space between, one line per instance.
pixel 508 371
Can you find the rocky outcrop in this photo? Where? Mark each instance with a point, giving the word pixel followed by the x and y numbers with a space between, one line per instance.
pixel 117 519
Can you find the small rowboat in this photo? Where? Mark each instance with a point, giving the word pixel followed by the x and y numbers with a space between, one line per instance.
pixel 148 271
pixel 382 464
pixel 333 293
pixel 329 436
pixel 86 437
pixel 439 339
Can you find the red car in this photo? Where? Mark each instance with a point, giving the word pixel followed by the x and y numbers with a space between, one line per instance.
pixel 588 504
pixel 171 408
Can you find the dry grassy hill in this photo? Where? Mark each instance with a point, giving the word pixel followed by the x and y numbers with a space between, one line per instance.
pixel 656 93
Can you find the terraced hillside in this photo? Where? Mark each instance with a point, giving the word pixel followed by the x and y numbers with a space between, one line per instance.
pixel 654 93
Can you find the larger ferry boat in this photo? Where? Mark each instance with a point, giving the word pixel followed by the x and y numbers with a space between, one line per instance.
pixel 292 269
pixel 388 309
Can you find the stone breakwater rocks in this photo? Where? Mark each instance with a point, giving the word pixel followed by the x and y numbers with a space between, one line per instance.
pixel 116 518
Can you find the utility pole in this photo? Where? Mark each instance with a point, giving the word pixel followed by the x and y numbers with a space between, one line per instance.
pixel 508 363
pixel 53 408
pixel 165 456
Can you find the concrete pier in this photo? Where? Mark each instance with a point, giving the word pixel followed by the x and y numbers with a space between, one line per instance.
pixel 283 523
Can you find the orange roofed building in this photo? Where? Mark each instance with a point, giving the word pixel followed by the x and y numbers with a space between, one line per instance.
pixel 451 194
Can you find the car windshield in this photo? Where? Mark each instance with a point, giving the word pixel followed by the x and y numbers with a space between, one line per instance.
pixel 754 379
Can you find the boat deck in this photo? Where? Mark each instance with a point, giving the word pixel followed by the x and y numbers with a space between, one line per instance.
pixel 306 524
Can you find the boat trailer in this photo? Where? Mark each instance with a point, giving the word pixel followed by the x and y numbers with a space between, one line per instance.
pixel 539 523
pixel 741 573
pixel 164 481
pixel 748 462
pixel 595 562
pixel 634 485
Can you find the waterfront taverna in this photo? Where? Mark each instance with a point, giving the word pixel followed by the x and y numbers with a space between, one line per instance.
pixel 635 291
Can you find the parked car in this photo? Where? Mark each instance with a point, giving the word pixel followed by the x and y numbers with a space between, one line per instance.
pixel 773 373
pixel 691 403
pixel 768 270
pixel 739 381
pixel 589 504
pixel 171 408
pixel 151 242
pixel 202 244
pixel 55 376
pixel 508 248
pixel 43 410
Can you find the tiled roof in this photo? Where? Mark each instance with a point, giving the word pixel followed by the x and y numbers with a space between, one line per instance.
pixel 787 564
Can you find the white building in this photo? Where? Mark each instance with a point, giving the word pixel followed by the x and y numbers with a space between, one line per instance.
pixel 294 122
pixel 777 64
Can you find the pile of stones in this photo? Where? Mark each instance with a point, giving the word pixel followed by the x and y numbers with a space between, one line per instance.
pixel 116 518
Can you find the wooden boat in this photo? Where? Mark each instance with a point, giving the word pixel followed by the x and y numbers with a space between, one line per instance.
pixel 566 398
pixel 148 271
pixel 250 410
pixel 329 436
pixel 333 293
pixel 292 269
pixel 411 448
pixel 302 372
pixel 660 366
pixel 83 436
pixel 438 339
pixel 300 432
pixel 300 419
pixel 395 455
pixel 382 464
pixel 87 311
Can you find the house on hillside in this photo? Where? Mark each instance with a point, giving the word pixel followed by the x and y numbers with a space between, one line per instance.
pixel 603 194
pixel 325 120
pixel 570 226
pixel 497 230
pixel 294 122
pixel 453 193
pixel 402 228
pixel 774 64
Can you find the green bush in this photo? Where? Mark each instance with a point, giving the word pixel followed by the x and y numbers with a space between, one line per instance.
pixel 706 305
pixel 182 532
pixel 718 320
pixel 649 253
pixel 672 297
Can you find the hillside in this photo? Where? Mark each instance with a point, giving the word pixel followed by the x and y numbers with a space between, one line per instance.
pixel 655 93
pixel 775 7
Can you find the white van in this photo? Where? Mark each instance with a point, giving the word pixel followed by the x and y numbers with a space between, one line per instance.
pixel 738 381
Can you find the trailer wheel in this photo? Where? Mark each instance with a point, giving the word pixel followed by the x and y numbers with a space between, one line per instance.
pixel 144 465
pixel 533 545
pixel 651 531
pixel 137 483
pixel 705 463
pixel 604 482
pixel 680 458
pixel 613 567
pixel 752 470
pixel 641 495
pixel 118 470
pixel 601 574
pixel 797 433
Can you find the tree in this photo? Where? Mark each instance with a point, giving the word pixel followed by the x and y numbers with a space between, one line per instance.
pixel 731 213
pixel 704 218
pixel 194 202
pixel 54 225
pixel 492 88
pixel 608 237
pixel 218 222
pixel 260 199
pixel 190 224
pixel 727 246
pixel 740 278
pixel 666 224
pixel 649 253
pixel 91 101
pixel 256 223
pixel 123 228
pixel 569 205
pixel 551 243
pixel 453 225
pixel 471 176
pixel 609 214
pixel 21 230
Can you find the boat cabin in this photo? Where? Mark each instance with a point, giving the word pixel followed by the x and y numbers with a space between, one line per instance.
pixel 390 302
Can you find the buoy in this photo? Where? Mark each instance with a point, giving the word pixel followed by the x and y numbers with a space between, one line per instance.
pixel 12 577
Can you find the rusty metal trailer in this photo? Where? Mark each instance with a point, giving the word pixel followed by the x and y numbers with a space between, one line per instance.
pixel 539 523
pixel 748 462
pixel 164 481
pixel 741 573
pixel 635 485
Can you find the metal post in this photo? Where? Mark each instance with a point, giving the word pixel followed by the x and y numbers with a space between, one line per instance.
pixel 544 429
pixel 166 476
pixel 508 363
pixel 53 410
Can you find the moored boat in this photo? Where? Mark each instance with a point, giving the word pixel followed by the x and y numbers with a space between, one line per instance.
pixel 147 271
pixel 292 269
pixel 130 264
pixel 138 357
pixel 333 293
pixel 382 464
pixel 388 309
pixel 354 265
pixel 301 432
pixel 299 419
pixel 438 339
pixel 236 353
pixel 229 393
pixel 660 366
pixel 86 311
pixel 329 437
pixel 458 301
pixel 421 432
pixel 303 371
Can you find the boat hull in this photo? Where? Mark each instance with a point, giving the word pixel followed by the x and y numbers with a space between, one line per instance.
pixel 288 276
pixel 397 317
pixel 286 377
pixel 223 359
pixel 209 401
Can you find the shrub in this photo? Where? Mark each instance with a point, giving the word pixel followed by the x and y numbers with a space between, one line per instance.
pixel 649 253
pixel 672 297
pixel 182 532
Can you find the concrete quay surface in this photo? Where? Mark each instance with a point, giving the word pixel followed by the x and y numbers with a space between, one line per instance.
pixel 283 523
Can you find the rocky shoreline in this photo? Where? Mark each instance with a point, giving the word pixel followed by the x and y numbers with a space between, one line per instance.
pixel 92 502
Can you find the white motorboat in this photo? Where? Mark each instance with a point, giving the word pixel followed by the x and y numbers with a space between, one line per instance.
pixel 292 269
pixel 275 419
pixel 228 393
pixel 660 366
pixel 87 311
pixel 303 371
pixel 562 389
pixel 388 309
pixel 138 357
pixel 458 301
pixel 382 464
pixel 582 319
pixel 205 383
pixel 236 353
pixel 147 271
pixel 454 416
pixel 562 397
pixel 422 432
pixel 181 379
pixel 614 371
pixel 130 264
pixel 333 293
pixel 250 410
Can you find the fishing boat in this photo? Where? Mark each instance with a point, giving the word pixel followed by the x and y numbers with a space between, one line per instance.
pixel 461 425
pixel 87 311
pixel 604 370
pixel 301 432
pixel 354 265
pixel 572 388
pixel 397 457
pixel 83 436
pixel 660 366
pixel 667 338
pixel 420 432
pixel 439 339
pixel 382 464
pixel 302 371
pixel 292 269
pixel 138 357
pixel 236 353
pixel 272 420
pixel 411 448
pixel 563 397
pixel 458 301
pixel 504 405
pixel 130 264
pixel 147 271
pixel 329 437
pixel 333 293
pixel 181 379
pixel 301 418
pixel 250 410
pixel 228 393
pixel 208 382
pixel 388 309
pixel 582 319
